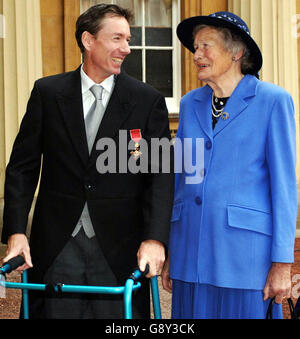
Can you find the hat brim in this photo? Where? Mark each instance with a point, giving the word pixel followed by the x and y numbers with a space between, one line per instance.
pixel 185 34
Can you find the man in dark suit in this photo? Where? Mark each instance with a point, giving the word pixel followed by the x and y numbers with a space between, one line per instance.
pixel 88 227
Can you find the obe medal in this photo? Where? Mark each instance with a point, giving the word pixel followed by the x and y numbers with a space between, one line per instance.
pixel 136 136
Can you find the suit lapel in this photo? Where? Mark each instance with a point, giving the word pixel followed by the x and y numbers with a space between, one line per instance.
pixel 237 102
pixel 117 111
pixel 71 107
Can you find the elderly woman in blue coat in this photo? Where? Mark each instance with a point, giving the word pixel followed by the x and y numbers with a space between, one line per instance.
pixel 234 218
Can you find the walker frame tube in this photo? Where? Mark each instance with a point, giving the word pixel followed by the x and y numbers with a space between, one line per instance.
pixel 132 284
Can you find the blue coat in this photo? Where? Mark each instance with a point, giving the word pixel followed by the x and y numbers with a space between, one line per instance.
pixel 228 229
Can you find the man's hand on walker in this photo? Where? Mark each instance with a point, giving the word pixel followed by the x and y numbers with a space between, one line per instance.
pixel 18 245
pixel 151 252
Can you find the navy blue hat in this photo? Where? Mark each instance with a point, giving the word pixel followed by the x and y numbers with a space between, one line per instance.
pixel 221 19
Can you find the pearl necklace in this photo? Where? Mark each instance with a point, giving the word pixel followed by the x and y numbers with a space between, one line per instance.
pixel 217 113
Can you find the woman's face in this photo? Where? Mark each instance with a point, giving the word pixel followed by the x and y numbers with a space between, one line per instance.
pixel 211 58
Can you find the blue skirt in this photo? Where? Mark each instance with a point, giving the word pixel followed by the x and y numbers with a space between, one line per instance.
pixel 201 301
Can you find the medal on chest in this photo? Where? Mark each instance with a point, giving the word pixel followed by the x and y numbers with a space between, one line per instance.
pixel 136 135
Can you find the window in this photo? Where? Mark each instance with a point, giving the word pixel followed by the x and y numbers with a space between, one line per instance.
pixel 155 49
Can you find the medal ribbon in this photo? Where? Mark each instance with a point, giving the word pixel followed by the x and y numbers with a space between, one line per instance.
pixel 136 135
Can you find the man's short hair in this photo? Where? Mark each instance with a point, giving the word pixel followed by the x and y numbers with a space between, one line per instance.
pixel 92 18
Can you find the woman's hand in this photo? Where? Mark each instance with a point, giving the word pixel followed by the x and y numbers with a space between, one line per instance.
pixel 278 283
pixel 166 281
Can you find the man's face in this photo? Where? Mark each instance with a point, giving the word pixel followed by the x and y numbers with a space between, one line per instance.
pixel 110 46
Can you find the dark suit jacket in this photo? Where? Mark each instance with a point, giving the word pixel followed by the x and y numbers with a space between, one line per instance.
pixel 125 209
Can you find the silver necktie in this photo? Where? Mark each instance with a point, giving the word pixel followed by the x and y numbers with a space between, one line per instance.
pixel 94 116
pixel 92 123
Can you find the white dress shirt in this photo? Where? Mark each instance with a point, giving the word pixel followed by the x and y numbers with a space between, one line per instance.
pixel 87 96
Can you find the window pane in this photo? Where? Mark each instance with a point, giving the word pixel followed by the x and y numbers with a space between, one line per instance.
pixel 86 4
pixel 158 13
pixel 158 36
pixel 136 36
pixel 158 20
pixel 135 6
pixel 133 64
pixel 159 71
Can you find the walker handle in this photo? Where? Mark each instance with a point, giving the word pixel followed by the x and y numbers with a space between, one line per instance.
pixel 147 269
pixel 135 276
pixel 12 264
pixel 138 274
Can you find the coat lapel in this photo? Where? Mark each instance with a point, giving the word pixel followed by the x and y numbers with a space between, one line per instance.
pixel 237 102
pixel 202 107
pixel 71 107
pixel 70 103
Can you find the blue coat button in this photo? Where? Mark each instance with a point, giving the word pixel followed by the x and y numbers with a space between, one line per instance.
pixel 208 144
pixel 198 200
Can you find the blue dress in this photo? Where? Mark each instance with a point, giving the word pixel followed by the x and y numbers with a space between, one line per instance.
pixel 203 301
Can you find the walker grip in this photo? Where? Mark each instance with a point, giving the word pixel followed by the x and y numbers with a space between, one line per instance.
pixel 138 274
pixel 12 264
pixel 147 269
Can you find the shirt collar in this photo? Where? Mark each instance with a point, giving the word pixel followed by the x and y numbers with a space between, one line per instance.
pixel 87 82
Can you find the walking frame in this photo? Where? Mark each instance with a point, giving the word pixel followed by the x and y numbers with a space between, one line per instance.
pixel 132 284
